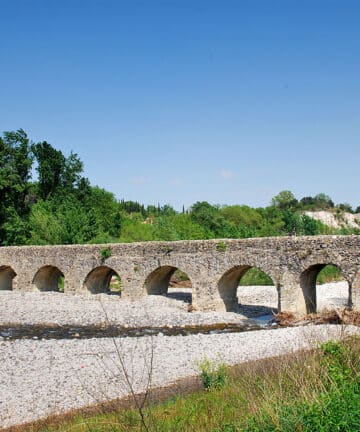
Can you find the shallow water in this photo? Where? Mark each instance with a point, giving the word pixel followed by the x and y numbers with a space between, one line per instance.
pixel 264 320
pixel 14 332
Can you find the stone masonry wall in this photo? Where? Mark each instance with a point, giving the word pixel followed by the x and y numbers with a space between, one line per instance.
pixel 214 267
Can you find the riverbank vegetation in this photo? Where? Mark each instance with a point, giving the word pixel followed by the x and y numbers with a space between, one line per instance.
pixel 45 199
pixel 304 392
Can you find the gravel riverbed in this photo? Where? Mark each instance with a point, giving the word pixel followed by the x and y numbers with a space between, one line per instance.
pixel 56 308
pixel 43 377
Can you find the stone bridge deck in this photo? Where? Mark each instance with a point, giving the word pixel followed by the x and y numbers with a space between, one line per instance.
pixel 214 267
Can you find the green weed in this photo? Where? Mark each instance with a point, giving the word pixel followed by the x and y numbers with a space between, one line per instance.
pixel 221 246
pixel 213 375
pixel 105 253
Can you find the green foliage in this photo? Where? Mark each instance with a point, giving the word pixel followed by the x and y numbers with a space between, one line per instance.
pixel 329 273
pixel 15 173
pixel 50 168
pixel 243 216
pixel 180 275
pixel 345 207
pixel 64 223
pixel 105 253
pixel 116 285
pixel 15 228
pixel 164 229
pixel 61 207
pixel 336 407
pixel 320 201
pixel 311 226
pixel 132 207
pixel 187 228
pixel 221 246
pixel 210 218
pixel 273 222
pixel 61 283
pixel 134 230
pixel 284 200
pixel 213 374
pixel 255 276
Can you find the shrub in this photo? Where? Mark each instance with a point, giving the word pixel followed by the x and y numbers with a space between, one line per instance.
pixel 213 375
pixel 221 246
pixel 105 253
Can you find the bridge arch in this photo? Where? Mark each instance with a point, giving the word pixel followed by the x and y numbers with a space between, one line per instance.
pixel 309 280
pixel 103 279
pixel 49 278
pixel 162 278
pixel 7 275
pixel 229 282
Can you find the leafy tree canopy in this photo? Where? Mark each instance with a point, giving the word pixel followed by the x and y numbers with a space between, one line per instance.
pixel 60 206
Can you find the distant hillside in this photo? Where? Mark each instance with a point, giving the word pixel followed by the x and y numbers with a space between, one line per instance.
pixel 335 219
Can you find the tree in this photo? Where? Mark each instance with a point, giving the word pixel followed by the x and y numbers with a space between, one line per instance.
pixel 187 229
pixel 284 200
pixel 323 201
pixel 57 175
pixel 293 223
pixel 167 210
pixel 274 222
pixel 310 226
pixel 15 173
pixel 164 229
pixel 242 216
pixel 50 167
pixel 72 173
pixel 307 203
pixel 345 207
pixel 210 218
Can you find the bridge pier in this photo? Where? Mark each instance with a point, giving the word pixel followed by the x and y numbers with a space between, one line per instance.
pixel 204 294
pixel 355 291
pixel 291 296
pixel 23 281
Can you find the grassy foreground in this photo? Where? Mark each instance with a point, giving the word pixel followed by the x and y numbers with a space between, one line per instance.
pixel 304 392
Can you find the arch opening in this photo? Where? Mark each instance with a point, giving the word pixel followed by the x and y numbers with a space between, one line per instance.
pixel 49 278
pixel 103 279
pixel 248 290
pixel 171 282
pixel 7 275
pixel 324 287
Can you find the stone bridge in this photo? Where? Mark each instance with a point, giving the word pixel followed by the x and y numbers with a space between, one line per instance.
pixel 214 267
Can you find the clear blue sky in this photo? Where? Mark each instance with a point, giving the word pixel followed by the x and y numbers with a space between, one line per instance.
pixel 183 100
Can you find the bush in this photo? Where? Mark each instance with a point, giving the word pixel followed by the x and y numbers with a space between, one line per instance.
pixel 105 253
pixel 213 375
pixel 221 246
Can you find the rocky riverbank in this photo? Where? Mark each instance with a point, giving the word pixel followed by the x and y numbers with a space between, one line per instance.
pixel 39 378
pixel 36 308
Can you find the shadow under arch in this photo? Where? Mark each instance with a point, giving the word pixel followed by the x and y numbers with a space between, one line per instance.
pixel 49 278
pixel 7 275
pixel 228 288
pixel 103 279
pixel 308 282
pixel 169 281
